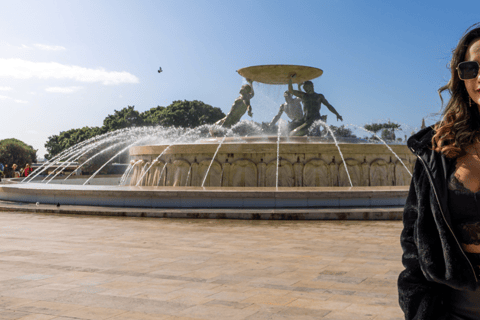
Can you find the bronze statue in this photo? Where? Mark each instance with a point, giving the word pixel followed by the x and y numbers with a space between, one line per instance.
pixel 239 107
pixel 293 108
pixel 312 102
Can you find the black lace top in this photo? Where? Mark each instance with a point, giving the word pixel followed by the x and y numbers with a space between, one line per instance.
pixel 464 206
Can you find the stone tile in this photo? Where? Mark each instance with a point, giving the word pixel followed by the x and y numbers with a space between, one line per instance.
pixel 316 304
pixel 342 315
pixel 230 296
pixel 216 312
pixel 11 314
pixel 11 302
pixel 286 313
pixel 35 293
pixel 38 316
pixel 375 309
pixel 47 307
pixel 141 316
pixel 274 300
pixel 225 303
pixel 95 313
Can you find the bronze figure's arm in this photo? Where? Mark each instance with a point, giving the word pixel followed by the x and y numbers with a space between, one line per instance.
pixel 296 93
pixel 330 107
pixel 279 114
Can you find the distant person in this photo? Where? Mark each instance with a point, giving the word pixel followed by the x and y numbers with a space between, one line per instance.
pixel 15 173
pixel 441 217
pixel 6 171
pixel 239 107
pixel 312 102
pixel 27 170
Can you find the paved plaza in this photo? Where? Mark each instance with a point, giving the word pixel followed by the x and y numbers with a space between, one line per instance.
pixel 92 267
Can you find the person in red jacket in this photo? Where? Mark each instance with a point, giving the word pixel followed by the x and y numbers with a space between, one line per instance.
pixel 27 170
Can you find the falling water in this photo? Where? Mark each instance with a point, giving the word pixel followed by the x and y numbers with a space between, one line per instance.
pixel 126 173
pixel 68 162
pixel 188 176
pixel 62 166
pixel 278 156
pixel 53 161
pixel 143 173
pixel 96 155
pixel 182 137
pixel 111 159
pixel 45 166
pixel 153 162
pixel 161 173
pixel 65 153
pixel 316 123
pixel 353 125
pixel 211 162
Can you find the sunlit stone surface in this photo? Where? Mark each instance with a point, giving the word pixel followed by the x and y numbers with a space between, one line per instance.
pixel 252 162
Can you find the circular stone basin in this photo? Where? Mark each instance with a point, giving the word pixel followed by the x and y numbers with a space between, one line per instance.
pixel 241 181
pixel 252 162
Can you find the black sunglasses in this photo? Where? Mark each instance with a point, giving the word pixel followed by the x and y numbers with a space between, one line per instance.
pixel 468 70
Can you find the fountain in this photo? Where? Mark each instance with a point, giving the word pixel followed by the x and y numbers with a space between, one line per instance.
pixel 191 169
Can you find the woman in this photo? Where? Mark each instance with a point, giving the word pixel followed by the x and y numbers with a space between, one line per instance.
pixel 27 170
pixel 441 235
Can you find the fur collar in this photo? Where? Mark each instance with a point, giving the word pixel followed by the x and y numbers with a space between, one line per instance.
pixel 421 141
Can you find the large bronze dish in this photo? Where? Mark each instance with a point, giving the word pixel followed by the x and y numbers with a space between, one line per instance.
pixel 280 73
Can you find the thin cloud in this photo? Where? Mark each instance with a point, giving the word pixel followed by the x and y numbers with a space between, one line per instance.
pixel 5 88
pixel 63 89
pixel 23 69
pixel 49 48
pixel 14 100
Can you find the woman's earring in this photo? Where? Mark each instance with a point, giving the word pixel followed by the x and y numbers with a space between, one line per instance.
pixel 470 101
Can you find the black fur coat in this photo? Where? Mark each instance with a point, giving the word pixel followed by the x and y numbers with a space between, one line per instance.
pixel 432 256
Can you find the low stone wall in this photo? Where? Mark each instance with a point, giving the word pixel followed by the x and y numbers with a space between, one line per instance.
pixel 197 197
pixel 245 163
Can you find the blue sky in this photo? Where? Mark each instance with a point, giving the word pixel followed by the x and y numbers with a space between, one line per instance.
pixel 68 64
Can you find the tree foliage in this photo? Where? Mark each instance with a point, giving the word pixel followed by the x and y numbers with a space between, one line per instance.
pixel 374 127
pixel 342 131
pixel 187 114
pixel 125 118
pixel 16 151
pixel 388 129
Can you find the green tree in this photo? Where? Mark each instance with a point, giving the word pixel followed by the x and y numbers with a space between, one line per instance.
pixel 388 129
pixel 16 151
pixel 125 118
pixel 342 132
pixel 187 114
pixel 391 127
pixel 374 127
pixel 153 116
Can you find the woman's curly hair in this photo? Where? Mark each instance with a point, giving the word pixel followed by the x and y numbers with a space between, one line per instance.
pixel 460 124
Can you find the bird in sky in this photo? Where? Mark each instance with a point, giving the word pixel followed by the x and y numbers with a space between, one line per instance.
pixel 160 70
